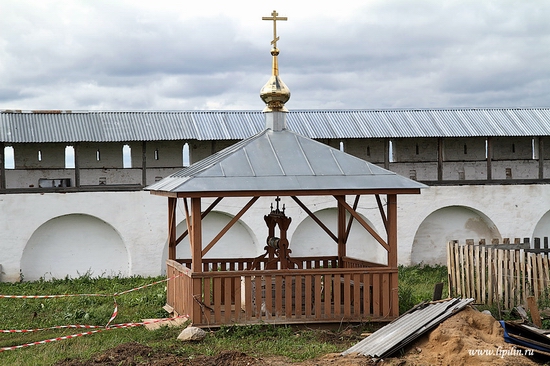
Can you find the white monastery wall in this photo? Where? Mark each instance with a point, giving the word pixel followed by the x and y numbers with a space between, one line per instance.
pixel 110 233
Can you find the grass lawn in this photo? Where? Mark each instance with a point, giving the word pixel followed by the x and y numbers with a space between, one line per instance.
pixel 416 284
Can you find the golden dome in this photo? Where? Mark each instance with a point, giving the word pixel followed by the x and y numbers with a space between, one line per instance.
pixel 275 93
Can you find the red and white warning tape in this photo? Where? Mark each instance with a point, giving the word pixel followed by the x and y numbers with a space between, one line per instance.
pixel 114 326
pixel 98 328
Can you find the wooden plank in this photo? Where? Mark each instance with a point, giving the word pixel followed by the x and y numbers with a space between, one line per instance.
pixel 478 270
pixel 307 298
pixel 327 303
pixel 217 297
pixel 490 287
pixel 268 299
pixel 535 270
pixel 463 264
pixel 185 300
pixel 227 300
pixel 529 270
pixel 289 295
pixel 298 313
pixel 471 266
pixel 248 310
pixel 318 297
pixel 258 298
pixel 357 294
pixel 546 265
pixel 483 280
pixel 523 267
pixel 506 278
pixel 347 296
pixel 237 297
pixel 336 292
pixel 540 269
pixel 376 295
pixel 499 275
pixel 385 295
pixel 534 310
pixel 279 296
pixel 207 286
pixel 367 285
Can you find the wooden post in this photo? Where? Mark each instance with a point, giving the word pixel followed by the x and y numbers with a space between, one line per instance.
pixel 76 165
pixel 541 157
pixel 196 235
pixel 341 231
pixel 392 253
pixel 489 158
pixel 440 159
pixel 2 167
pixel 144 164
pixel 172 203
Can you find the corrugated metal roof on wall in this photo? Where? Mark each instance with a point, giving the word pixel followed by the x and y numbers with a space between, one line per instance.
pixel 123 126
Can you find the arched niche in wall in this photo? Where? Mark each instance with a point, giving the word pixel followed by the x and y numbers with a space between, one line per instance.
pixel 238 242
pixel 542 229
pixel 310 239
pixel 446 224
pixel 74 245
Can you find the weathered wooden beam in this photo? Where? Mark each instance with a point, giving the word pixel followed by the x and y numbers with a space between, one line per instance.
pixel 229 225
pixel 382 213
pixel 363 223
pixel 172 203
pixel 348 229
pixel 315 218
pixel 2 167
pixel 206 212
pixel 341 228
pixel 196 235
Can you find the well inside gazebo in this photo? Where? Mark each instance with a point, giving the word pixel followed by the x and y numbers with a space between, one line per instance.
pixel 277 287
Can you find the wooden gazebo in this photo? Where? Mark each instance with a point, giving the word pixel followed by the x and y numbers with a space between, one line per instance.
pixel 277 287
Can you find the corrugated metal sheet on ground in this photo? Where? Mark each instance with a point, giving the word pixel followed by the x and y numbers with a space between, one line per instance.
pixel 407 328
pixel 126 126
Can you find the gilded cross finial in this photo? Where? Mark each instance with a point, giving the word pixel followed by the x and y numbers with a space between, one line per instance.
pixel 274 17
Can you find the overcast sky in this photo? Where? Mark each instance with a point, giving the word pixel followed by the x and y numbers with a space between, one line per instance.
pixel 214 54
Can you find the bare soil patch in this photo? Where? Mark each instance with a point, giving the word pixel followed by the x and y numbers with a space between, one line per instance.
pixel 448 344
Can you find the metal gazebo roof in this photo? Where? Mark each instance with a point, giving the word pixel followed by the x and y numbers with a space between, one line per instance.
pixel 281 160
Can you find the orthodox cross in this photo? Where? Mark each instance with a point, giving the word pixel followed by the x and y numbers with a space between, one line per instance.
pixel 274 16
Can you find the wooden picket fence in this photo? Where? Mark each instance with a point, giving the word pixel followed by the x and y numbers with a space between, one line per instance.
pixel 504 274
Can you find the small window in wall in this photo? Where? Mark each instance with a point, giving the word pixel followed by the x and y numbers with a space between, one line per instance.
pixel 508 173
pixel 39 155
pixel 412 174
pixel 341 145
pixel 97 155
pixel 69 157
pixel 126 156
pixel 9 158
pixel 186 155
pixel 368 150
pixel 417 151
pixel 513 148
pixel 465 149
pixel 391 152
pixel 156 154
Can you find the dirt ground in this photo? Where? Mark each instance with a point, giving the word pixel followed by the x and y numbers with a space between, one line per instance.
pixel 448 344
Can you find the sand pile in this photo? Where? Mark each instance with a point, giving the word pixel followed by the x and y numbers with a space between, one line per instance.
pixel 466 338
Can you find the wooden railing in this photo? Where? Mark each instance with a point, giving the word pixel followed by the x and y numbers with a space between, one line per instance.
pixel 504 274
pixel 318 294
